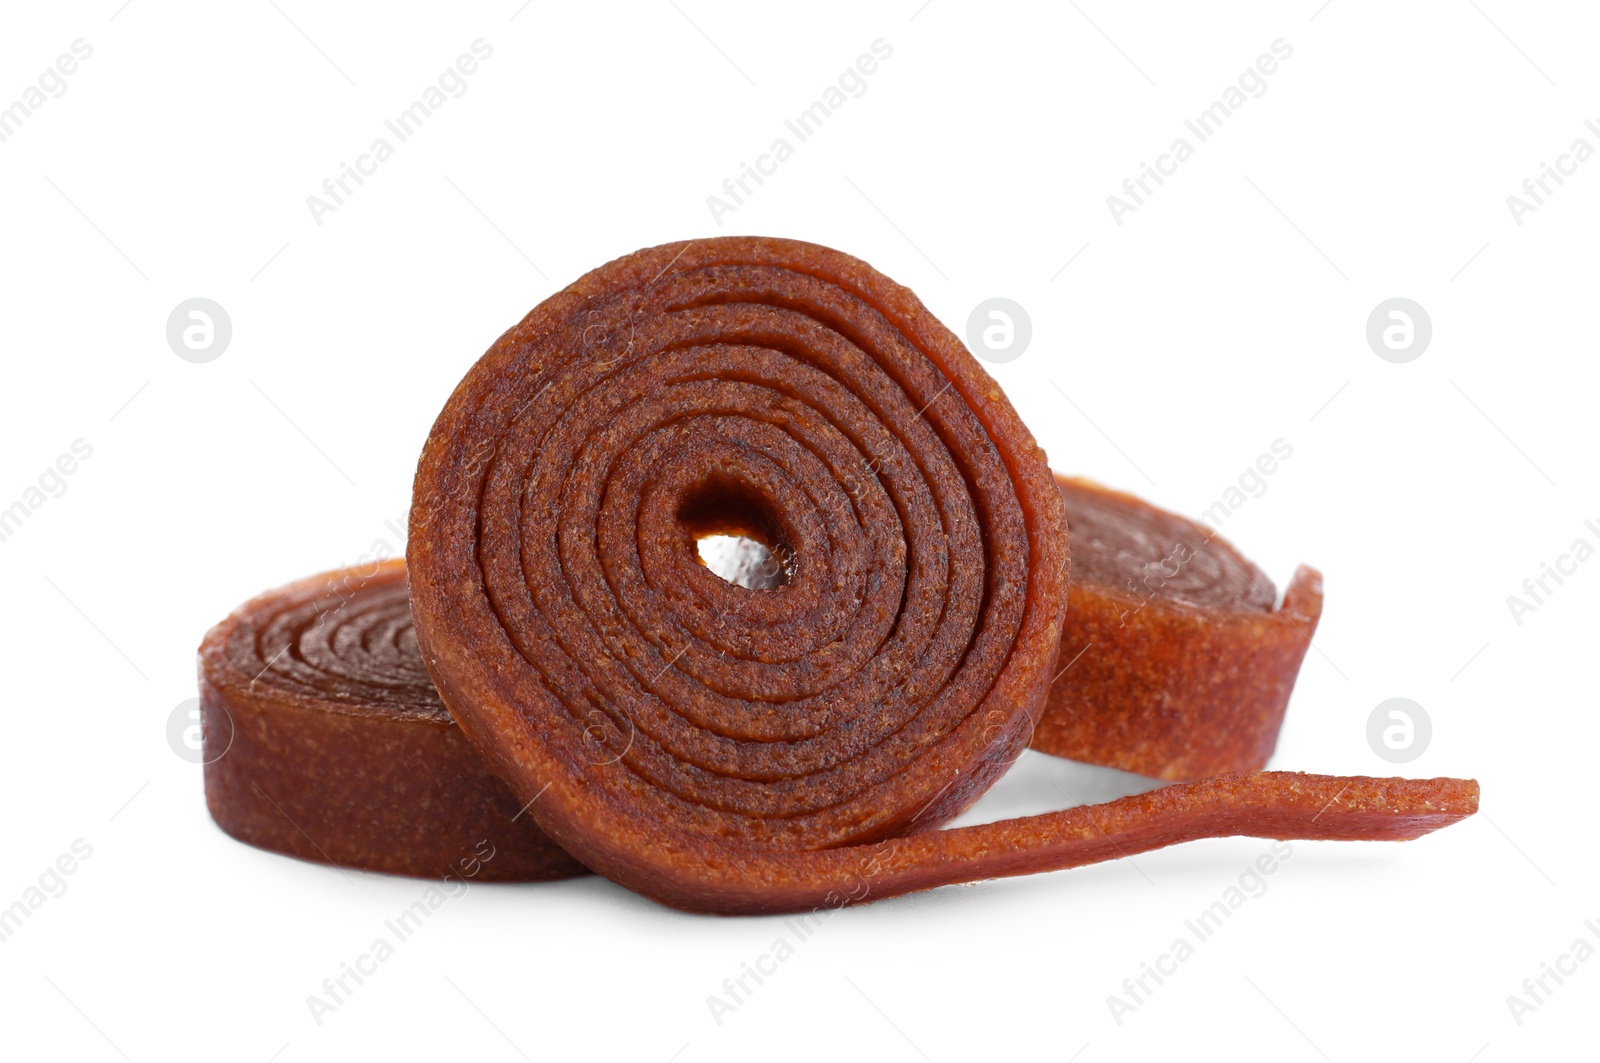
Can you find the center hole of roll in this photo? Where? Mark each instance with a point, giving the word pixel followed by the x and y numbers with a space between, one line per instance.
pixel 737 536
pixel 742 562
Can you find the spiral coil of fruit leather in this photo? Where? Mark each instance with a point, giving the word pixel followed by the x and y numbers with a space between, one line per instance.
pixel 324 739
pixel 1177 664
pixel 726 749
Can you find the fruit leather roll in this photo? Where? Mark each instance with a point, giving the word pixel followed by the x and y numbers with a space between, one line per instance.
pixel 726 749
pixel 1177 663
pixel 324 739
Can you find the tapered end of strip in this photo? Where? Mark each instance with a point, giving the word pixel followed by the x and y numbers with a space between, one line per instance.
pixel 1303 598
pixel 1332 807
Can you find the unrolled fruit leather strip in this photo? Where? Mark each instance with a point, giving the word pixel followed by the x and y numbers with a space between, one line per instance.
pixel 724 749
pixel 1175 664
pixel 324 739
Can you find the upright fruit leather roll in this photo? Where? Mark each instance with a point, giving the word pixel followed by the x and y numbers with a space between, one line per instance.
pixel 724 749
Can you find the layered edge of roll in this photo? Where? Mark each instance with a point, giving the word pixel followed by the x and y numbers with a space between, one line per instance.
pixel 324 739
pixel 1176 664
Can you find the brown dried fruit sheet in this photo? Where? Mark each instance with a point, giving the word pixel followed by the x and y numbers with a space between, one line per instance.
pixel 324 739
pixel 1174 662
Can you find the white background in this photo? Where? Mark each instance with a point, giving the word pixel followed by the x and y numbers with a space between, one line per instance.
pixel 1227 312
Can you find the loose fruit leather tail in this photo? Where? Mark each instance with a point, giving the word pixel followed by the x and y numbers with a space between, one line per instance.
pixel 1270 804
